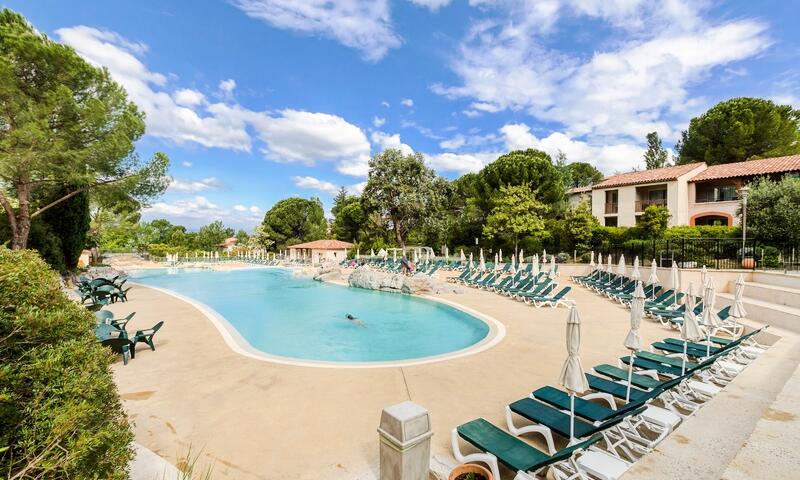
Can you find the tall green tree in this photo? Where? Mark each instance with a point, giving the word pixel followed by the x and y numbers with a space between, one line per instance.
pixel 64 123
pixel 242 238
pixel 349 219
pixel 212 235
pixel 582 174
pixel 70 222
pixel 656 155
pixel 654 221
pixel 402 189
pixel 741 129
pixel 295 220
pixel 580 225
pixel 772 210
pixel 259 238
pixel 516 212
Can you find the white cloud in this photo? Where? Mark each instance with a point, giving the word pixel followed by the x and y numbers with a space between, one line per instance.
pixel 385 141
pixel 385 104
pixel 432 5
pixel 378 122
pixel 606 157
pixel 307 137
pixel 186 115
pixel 194 186
pixel 313 183
pixel 254 209
pixel 640 83
pixel 198 210
pixel 460 162
pixel 361 24
pixel 407 102
pixel 186 164
pixel 471 113
pixel 454 143
pixel 188 97
pixel 227 86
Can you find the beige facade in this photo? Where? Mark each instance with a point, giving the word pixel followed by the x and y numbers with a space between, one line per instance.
pixel 320 251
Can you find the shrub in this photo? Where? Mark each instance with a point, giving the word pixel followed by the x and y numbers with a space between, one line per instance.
pixel 770 257
pixel 59 410
pixel 563 257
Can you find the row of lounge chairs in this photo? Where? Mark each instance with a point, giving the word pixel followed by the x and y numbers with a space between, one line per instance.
pixel 613 428
pixel 537 290
pixel 664 305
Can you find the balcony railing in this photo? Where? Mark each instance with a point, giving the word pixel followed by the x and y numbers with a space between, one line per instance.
pixel 641 205
pixel 710 197
pixel 612 207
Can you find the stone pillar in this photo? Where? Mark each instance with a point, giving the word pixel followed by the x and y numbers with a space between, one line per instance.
pixel 405 442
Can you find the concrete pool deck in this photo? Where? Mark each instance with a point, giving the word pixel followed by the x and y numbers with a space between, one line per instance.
pixel 253 419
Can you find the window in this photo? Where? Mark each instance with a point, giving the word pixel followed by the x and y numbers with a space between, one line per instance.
pixel 714 220
pixel 706 193
pixel 611 221
pixel 611 201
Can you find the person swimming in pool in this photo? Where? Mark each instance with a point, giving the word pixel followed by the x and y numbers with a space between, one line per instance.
pixel 355 320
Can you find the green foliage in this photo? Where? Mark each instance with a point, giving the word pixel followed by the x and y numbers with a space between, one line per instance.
pixel 703 231
pixel 532 168
pixel 654 221
pixel 741 129
pixel 44 240
pixel 69 221
pixel 260 238
pixel 402 189
pixel 64 123
pixel 59 410
pixel 515 212
pixel 295 220
pixel 210 236
pixel 582 174
pixel 773 210
pixel 580 225
pixel 242 238
pixel 656 155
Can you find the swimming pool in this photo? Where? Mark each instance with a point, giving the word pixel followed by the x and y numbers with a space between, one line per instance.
pixel 291 317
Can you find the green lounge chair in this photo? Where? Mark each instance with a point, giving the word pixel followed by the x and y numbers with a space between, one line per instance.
pixel 551 300
pixel 499 447
pixel 146 336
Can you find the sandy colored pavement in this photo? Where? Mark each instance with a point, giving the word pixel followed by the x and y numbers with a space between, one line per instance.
pixel 254 419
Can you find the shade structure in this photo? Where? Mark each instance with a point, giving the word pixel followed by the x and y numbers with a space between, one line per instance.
pixel 371 252
pixel 482 262
pixel 394 255
pixel 416 257
pixel 471 265
pixel 463 257
pixel 633 341
pixel 675 279
pixel 591 264
pixel 600 265
pixel 446 253
pixel 521 260
pixel 737 310
pixel 543 259
pixel 358 254
pixel 544 253
pixel 500 257
pixel 710 318
pixel 535 265
pixel 572 376
pixel 552 273
pixel 703 276
pixel 609 267
pixel 496 263
pixel 636 274
pixel 690 330
pixel 513 269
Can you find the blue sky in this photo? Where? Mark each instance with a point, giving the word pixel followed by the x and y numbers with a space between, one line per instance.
pixel 257 100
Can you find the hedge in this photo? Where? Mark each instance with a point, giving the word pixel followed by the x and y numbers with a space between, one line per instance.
pixel 60 415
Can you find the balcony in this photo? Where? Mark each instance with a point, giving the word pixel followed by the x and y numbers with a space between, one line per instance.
pixel 612 207
pixel 641 205
pixel 711 197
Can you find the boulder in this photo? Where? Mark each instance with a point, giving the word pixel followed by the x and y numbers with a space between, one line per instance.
pixel 328 273
pixel 364 277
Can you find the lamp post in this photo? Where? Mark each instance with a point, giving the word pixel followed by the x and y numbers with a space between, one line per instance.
pixel 744 192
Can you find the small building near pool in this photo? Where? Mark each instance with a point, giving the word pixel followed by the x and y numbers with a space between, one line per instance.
pixel 320 251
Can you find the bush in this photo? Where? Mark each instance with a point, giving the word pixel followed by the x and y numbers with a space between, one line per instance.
pixel 770 257
pixel 563 257
pixel 59 410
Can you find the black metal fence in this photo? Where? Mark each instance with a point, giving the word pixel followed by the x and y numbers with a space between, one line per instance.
pixel 717 253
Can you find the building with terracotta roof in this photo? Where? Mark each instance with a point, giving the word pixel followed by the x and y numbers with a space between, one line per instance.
pixel 320 251
pixel 694 194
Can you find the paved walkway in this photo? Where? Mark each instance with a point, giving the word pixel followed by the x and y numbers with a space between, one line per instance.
pixel 252 419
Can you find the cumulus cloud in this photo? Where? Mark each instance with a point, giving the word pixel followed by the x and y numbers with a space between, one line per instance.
pixel 407 102
pixel 385 141
pixel 329 188
pixel 461 163
pixel 198 210
pixel 432 5
pixel 186 164
pixel 194 186
pixel 627 89
pixel 378 122
pixel 361 24
pixel 186 115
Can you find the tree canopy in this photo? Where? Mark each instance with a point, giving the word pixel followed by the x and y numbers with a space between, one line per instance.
pixel 656 155
pixel 582 174
pixel 64 123
pixel 772 210
pixel 741 129
pixel 401 188
pixel 516 212
pixel 654 221
pixel 295 220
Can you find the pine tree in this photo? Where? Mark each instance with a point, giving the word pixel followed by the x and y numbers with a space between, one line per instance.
pixel 656 155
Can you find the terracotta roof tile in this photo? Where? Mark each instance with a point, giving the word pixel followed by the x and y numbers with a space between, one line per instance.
pixel 750 168
pixel 647 176
pixel 324 245
pixel 579 189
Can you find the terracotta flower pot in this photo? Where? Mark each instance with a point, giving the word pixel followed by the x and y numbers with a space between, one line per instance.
pixel 470 468
pixel 748 262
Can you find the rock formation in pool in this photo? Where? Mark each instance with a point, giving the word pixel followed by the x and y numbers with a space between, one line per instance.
pixel 364 277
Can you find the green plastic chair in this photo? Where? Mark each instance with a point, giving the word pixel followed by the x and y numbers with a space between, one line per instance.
pixel 146 336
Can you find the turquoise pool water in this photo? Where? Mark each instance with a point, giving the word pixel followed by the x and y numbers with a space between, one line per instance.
pixel 299 318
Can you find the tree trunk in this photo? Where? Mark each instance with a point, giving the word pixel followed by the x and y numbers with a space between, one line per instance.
pixel 397 234
pixel 20 234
